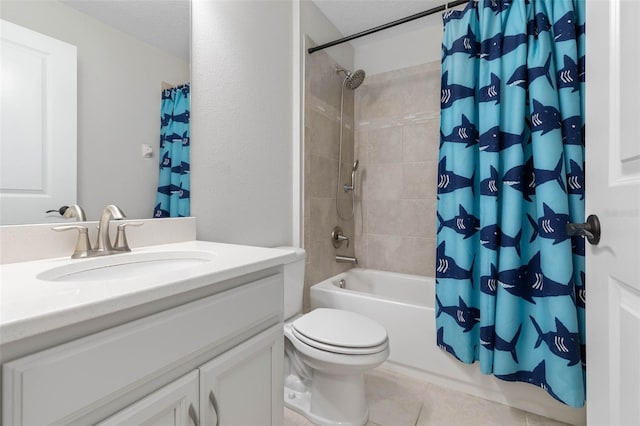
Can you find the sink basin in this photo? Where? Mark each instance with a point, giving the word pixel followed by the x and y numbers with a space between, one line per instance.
pixel 126 266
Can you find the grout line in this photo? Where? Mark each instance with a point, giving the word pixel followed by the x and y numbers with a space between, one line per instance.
pixel 419 414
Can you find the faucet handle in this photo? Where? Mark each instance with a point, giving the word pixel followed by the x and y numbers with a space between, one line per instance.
pixel 121 243
pixel 83 246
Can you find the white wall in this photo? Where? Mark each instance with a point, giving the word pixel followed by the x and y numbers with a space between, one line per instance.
pixel 316 25
pixel 119 98
pixel 242 112
pixel 406 45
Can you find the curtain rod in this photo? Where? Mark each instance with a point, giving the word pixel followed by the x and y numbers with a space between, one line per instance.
pixel 389 25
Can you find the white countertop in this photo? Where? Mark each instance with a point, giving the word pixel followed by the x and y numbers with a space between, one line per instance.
pixel 30 306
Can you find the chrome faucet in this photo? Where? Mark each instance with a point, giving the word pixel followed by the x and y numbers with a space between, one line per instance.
pixel 83 246
pixel 103 244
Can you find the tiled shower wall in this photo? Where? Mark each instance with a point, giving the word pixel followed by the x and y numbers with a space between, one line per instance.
pixel 396 141
pixel 321 149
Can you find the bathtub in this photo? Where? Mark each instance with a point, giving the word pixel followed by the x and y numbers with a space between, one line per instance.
pixel 404 305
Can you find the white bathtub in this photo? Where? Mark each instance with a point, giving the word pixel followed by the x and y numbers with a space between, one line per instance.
pixel 404 305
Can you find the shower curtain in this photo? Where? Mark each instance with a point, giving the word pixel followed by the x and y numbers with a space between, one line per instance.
pixel 172 198
pixel 510 287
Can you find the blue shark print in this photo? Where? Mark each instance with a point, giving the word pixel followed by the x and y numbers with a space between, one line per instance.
pixel 181 118
pixel 581 293
pixel 465 44
pixel 573 131
pixel 575 179
pixel 465 223
pixel 524 76
pixel 536 377
pixel 172 197
pixel 493 140
pixel 166 160
pixel 540 23
pixel 561 342
pixel 449 181
pixel 169 189
pixel 522 179
pixel 159 212
pixel 498 5
pixel 544 118
pixel 464 315
pixel 517 143
pixel 443 345
pixel 567 77
pixel 466 133
pixel 491 92
pixel 492 237
pixel 542 176
pixel 173 137
pixel 577 246
pixel 489 283
pixel 534 225
pixel 553 225
pixel 499 45
pixel 528 281
pixel 581 69
pixel 490 340
pixel 453 92
pixel 565 28
pixel 448 268
pixel 489 186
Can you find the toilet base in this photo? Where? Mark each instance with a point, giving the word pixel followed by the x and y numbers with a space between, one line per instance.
pixel 331 401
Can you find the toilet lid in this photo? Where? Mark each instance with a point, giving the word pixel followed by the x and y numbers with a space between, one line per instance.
pixel 335 327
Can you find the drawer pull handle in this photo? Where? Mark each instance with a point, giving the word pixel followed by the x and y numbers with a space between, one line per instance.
pixel 193 415
pixel 214 405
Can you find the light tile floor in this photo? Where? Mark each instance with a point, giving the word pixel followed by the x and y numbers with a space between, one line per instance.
pixel 398 400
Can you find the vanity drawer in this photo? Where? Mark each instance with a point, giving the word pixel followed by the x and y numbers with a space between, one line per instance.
pixel 66 382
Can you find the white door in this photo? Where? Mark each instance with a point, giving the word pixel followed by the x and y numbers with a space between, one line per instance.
pixel 37 125
pixel 613 194
pixel 243 386
pixel 176 404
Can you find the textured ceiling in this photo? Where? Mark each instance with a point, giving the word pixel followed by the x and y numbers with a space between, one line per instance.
pixel 352 16
pixel 164 24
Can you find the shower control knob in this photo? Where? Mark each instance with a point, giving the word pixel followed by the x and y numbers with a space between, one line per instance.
pixel 589 229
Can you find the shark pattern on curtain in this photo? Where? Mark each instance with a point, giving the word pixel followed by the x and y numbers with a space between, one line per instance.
pixel 173 197
pixel 510 289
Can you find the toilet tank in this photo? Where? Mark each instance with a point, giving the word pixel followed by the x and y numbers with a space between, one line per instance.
pixel 293 282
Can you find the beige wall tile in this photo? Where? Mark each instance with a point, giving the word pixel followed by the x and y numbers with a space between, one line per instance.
pixel 323 176
pixel 383 181
pixel 385 145
pixel 385 217
pixel 418 218
pixel 419 180
pixel 420 141
pixel 324 135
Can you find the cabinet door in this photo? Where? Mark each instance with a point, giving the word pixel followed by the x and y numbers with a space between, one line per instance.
pixel 243 386
pixel 176 404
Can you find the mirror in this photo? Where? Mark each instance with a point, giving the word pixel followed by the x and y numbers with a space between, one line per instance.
pixel 126 52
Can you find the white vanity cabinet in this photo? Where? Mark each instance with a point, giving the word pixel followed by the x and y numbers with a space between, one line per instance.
pixel 176 404
pixel 217 360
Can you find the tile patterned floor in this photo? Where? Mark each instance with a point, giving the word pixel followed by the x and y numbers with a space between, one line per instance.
pixel 398 400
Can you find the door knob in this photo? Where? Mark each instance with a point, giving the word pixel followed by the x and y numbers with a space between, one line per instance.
pixel 589 229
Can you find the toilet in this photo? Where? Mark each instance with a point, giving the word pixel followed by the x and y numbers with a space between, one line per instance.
pixel 327 352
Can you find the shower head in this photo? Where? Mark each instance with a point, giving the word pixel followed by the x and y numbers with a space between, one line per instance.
pixel 355 165
pixel 354 79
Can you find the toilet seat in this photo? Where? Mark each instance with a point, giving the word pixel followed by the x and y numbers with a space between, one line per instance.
pixel 340 332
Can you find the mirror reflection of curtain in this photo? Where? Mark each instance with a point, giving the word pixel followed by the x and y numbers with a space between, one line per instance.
pixel 173 197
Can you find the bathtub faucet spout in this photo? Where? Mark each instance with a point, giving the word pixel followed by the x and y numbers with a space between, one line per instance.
pixel 347 259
